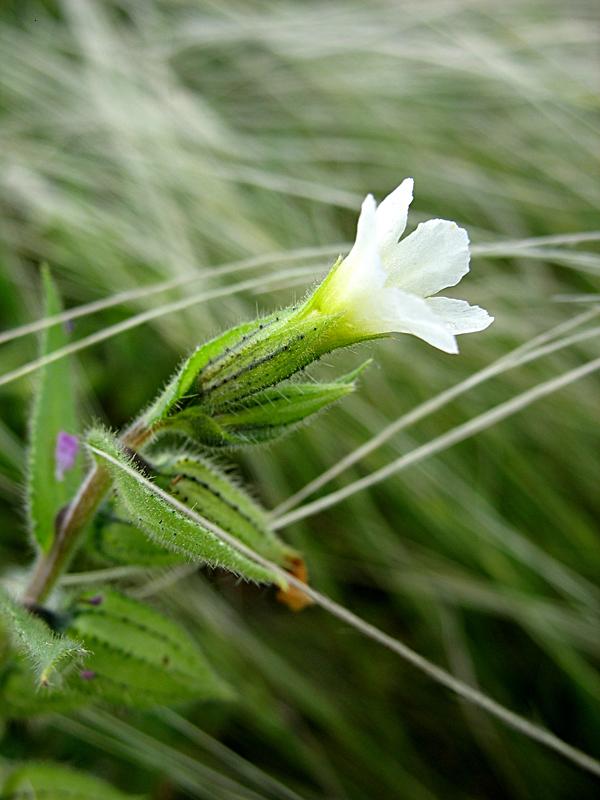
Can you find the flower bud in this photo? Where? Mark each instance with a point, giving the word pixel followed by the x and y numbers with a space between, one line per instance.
pixel 260 417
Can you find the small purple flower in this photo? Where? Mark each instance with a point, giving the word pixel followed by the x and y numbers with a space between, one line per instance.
pixel 96 600
pixel 65 453
pixel 87 674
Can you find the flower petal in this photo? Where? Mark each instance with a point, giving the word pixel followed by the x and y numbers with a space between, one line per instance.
pixel 392 214
pixel 395 311
pixel 362 266
pixel 65 454
pixel 366 227
pixel 360 275
pixel 459 316
pixel 434 256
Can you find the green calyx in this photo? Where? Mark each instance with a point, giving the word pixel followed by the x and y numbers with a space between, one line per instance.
pixel 292 342
pixel 260 417
pixel 235 390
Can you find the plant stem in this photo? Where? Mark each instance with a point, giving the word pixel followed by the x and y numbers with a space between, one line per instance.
pixel 71 524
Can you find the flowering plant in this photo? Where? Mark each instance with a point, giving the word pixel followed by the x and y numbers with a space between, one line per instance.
pixel 234 390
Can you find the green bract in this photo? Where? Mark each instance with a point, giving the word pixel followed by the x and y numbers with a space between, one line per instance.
pixel 119 541
pixel 262 416
pixel 199 484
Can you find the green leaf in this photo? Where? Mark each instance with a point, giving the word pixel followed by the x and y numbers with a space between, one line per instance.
pixel 165 525
pixel 48 653
pixel 118 541
pixel 200 485
pixel 53 412
pixel 139 656
pixel 46 781
pixel 20 696
pixel 263 416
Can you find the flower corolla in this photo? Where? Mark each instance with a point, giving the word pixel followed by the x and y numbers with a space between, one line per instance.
pixel 388 285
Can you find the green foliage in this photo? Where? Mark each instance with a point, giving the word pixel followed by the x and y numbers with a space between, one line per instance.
pixel 203 487
pixel 48 653
pixel 20 695
pixel 53 411
pixel 240 371
pixel 134 656
pixel 259 127
pixel 166 526
pixel 46 781
pixel 120 542
pixel 138 656
pixel 263 416
pixel 205 354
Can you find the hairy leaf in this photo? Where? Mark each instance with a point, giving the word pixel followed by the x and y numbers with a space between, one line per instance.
pixel 200 485
pixel 118 541
pixel 46 781
pixel 48 653
pixel 49 487
pixel 165 525
pixel 139 656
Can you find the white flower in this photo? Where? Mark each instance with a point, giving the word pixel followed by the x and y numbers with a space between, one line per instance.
pixel 386 286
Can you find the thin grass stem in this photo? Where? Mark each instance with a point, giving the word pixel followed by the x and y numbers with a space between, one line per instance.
pixel 186 279
pixel 520 356
pixel 253 284
pixel 436 673
pixel 446 440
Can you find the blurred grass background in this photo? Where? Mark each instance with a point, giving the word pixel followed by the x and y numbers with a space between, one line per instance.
pixel 141 141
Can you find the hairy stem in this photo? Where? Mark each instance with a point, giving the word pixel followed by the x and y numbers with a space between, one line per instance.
pixel 71 524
